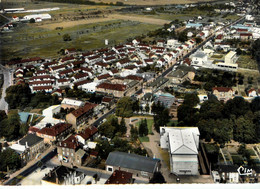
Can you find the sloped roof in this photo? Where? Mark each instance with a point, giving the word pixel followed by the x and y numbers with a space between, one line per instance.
pixel 31 140
pixel 132 161
pixel 182 142
pixel 120 177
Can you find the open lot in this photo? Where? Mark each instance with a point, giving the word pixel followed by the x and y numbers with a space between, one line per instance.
pixel 245 61
pixel 150 2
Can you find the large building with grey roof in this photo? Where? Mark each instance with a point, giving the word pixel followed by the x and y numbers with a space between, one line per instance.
pixel 138 165
pixel 182 144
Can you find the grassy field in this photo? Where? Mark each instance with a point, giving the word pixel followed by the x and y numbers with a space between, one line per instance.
pixel 245 61
pixel 29 41
pixel 150 123
pixel 144 139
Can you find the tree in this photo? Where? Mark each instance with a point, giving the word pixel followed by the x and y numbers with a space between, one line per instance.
pixel 103 148
pixel 191 99
pixel 211 109
pixel 245 130
pixel 157 178
pixel 136 106
pixel 255 104
pixel 23 129
pixel 124 107
pixel 134 133
pixel 237 106
pixel 9 158
pixel 18 96
pixel 66 37
pixel 32 20
pixel 198 40
pixel 147 108
pixel 122 127
pixel 143 129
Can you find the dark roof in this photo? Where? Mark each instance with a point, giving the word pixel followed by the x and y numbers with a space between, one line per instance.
pixel 120 177
pixel 58 174
pixel 31 140
pixel 132 161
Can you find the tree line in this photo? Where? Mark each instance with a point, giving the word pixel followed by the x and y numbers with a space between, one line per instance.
pixel 236 119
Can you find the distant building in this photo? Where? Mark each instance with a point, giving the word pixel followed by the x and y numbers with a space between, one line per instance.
pixel 71 103
pixel 183 145
pixel 136 164
pixel 37 16
pixel 81 115
pixel 229 173
pixel 223 93
pixel 50 111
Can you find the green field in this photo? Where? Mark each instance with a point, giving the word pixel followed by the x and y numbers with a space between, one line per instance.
pixel 144 139
pixel 150 123
pixel 30 41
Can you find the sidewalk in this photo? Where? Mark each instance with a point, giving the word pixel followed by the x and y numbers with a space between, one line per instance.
pixel 29 164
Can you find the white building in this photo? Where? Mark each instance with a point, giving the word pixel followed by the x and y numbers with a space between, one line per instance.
pixel 200 59
pixel 49 112
pixel 35 16
pixel 231 58
pixel 90 87
pixel 182 144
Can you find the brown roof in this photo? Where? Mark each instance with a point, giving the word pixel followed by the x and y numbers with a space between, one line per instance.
pixel 70 142
pixel 88 132
pixel 83 69
pixel 107 99
pixel 80 75
pixel 62 80
pixel 222 89
pixel 82 82
pixel 48 82
pixel 40 88
pixel 55 130
pixel 87 107
pixel 120 177
pixel 42 77
pixel 104 76
pixel 63 72
pixel 67 58
pixel 134 77
pixel 33 129
pixel 110 86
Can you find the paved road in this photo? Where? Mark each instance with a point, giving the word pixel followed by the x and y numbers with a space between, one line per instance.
pixel 16 179
pixel 7 83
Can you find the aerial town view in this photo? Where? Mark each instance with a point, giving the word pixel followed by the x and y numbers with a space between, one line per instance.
pixel 101 92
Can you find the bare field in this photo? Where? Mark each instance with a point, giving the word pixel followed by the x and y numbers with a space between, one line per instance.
pixel 150 2
pixel 67 24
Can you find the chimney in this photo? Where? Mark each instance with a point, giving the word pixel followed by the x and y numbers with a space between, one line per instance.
pixel 26 144
pixel 57 180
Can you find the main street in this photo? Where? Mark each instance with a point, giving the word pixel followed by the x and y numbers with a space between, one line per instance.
pixel 7 82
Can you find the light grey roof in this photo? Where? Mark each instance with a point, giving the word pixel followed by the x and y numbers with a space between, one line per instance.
pixel 200 54
pixel 80 153
pixel 132 161
pixel 178 73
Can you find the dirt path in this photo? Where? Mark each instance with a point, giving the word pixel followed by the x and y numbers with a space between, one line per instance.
pixel 140 19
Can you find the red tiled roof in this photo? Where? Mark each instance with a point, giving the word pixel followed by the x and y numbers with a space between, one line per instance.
pixel 55 130
pixel 58 67
pixel 222 89
pixel 102 64
pixel 134 77
pixel 82 110
pixel 107 99
pixel 33 129
pixel 67 58
pixel 83 69
pixel 68 71
pixel 41 88
pixel 88 132
pixel 82 82
pixel 80 75
pixel 246 34
pixel 120 177
pixel 104 76
pixel 220 36
pixel 110 86
pixel 70 142
pixel 114 71
pixel 42 77
pixel 62 80
pixel 48 82
pixel 87 54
